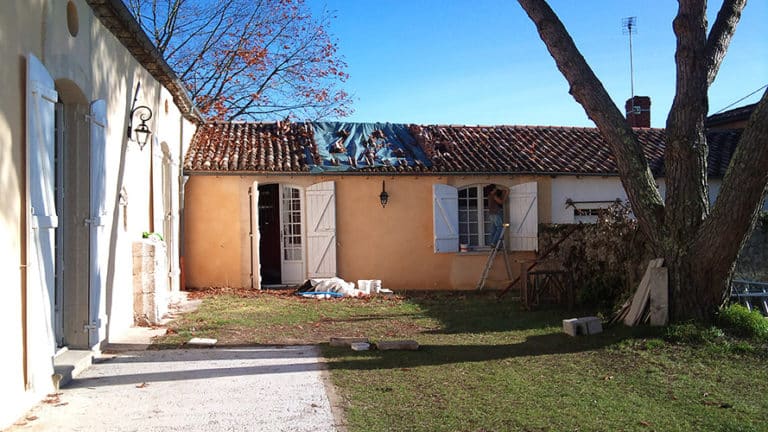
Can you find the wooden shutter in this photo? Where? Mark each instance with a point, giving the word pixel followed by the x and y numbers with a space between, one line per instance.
pixel 254 235
pixel 41 223
pixel 321 230
pixel 98 222
pixel 445 213
pixel 524 217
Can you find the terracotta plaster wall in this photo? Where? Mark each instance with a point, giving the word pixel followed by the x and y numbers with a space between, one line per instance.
pixel 213 232
pixel 394 244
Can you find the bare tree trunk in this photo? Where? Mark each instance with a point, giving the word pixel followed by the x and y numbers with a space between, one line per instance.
pixel 699 248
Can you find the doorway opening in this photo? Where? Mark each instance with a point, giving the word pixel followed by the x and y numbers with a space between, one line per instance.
pixel 269 228
pixel 72 189
pixel 281 228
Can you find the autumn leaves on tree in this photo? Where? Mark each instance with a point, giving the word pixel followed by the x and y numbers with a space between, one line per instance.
pixel 249 59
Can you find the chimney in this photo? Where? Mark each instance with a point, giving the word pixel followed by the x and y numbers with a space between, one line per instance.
pixel 638 111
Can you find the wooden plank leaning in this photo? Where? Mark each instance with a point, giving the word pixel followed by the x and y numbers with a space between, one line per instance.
pixel 642 295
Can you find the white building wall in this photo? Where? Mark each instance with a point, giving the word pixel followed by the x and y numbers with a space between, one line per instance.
pixel 585 192
pixel 88 66
pixel 599 192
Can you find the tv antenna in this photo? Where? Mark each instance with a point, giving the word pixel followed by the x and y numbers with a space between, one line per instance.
pixel 629 27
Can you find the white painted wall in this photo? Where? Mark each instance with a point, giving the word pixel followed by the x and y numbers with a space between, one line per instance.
pixel 91 65
pixel 583 188
pixel 580 189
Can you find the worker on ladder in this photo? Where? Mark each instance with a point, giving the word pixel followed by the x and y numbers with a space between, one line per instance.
pixel 496 199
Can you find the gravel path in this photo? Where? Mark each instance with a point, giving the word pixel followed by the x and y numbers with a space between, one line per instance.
pixel 219 389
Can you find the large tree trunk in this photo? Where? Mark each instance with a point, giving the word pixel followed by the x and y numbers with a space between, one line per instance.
pixel 700 248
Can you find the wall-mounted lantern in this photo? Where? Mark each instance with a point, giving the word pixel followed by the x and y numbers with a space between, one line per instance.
pixel 145 113
pixel 383 196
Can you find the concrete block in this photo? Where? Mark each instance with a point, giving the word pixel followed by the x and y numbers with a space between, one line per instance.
pixel 347 341
pixel 592 325
pixel 572 327
pixel 410 345
pixel 582 326
pixel 206 342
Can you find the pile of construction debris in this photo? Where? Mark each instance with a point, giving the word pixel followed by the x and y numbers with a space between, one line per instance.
pixel 337 287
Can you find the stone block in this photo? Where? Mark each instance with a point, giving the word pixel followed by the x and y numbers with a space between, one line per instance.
pixel 150 282
pixel 572 327
pixel 592 324
pixel 409 345
pixel 347 341
pixel 582 326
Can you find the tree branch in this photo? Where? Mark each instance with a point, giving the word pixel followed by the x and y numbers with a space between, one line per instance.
pixel 685 155
pixel 721 34
pixel 746 181
pixel 636 176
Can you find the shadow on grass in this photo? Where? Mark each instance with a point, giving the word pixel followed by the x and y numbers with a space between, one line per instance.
pixel 436 355
pixel 481 313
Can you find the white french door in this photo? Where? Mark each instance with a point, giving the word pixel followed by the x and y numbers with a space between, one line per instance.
pixel 291 235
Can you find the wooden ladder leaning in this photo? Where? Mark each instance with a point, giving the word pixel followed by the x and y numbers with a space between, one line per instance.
pixel 499 245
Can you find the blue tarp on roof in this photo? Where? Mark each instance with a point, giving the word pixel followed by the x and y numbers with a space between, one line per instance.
pixel 354 146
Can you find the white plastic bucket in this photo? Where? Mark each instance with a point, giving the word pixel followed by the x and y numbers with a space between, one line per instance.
pixel 364 285
pixel 375 285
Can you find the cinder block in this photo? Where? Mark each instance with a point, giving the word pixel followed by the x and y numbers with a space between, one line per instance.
pixel 582 326
pixel 573 327
pixel 347 341
pixel 592 325
pixel 410 345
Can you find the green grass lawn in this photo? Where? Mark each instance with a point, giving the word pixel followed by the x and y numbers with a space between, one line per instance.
pixel 487 366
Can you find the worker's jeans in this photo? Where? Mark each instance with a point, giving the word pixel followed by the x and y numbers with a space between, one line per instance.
pixel 496 224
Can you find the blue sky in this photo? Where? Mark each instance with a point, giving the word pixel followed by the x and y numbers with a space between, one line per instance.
pixel 482 62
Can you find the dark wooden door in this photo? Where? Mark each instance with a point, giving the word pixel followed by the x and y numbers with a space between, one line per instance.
pixel 269 229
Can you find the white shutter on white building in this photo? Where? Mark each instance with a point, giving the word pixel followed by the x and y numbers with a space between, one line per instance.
pixel 321 230
pixel 445 213
pixel 42 223
pixel 98 222
pixel 524 217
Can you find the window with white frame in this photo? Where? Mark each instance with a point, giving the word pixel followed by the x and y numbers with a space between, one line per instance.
pixel 460 216
pixel 474 222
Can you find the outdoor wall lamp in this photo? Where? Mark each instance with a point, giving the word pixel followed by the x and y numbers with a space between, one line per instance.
pixel 383 196
pixel 142 130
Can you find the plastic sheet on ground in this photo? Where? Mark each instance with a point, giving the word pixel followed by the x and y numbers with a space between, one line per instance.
pixel 329 288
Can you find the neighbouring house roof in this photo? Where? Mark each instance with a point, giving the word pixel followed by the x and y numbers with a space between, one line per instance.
pixel 730 117
pixel 116 17
pixel 385 148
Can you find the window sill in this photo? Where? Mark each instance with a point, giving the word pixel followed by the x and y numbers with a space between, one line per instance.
pixel 475 252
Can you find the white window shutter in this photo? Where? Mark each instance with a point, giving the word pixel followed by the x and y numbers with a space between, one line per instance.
pixel 321 230
pixel 98 222
pixel 255 237
pixel 445 212
pixel 42 223
pixel 524 217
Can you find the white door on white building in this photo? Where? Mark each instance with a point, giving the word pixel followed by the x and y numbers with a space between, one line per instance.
pixel 292 262
pixel 321 230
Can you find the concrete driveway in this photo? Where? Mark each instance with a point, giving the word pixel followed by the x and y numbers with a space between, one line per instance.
pixel 206 389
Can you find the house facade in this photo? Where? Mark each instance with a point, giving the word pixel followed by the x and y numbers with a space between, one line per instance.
pixel 277 203
pixel 79 189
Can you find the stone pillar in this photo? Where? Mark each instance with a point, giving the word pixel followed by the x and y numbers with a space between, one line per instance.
pixel 150 282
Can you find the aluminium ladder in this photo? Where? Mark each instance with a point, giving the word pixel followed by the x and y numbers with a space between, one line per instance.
pixel 499 245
